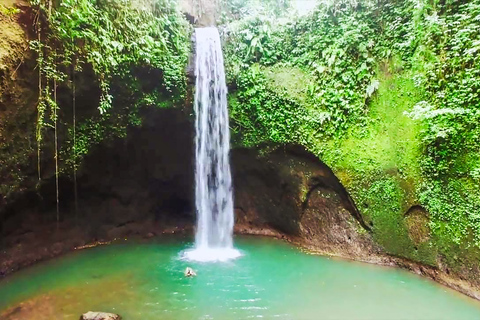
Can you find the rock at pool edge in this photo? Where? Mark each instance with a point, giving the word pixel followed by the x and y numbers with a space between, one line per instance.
pixel 99 316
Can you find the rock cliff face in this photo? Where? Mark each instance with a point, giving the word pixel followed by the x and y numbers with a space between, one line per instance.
pixel 142 186
pixel 149 177
pixel 293 192
pixel 201 13
pixel 18 95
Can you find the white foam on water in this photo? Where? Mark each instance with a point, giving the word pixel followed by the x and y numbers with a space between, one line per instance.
pixel 206 254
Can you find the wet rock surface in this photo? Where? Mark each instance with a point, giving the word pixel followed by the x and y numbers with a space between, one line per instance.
pixel 99 316
pixel 138 187
pixel 293 192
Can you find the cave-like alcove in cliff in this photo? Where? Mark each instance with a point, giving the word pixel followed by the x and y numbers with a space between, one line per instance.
pixel 146 176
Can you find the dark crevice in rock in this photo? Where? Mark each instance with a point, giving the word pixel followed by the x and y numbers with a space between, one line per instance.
pixel 347 202
pixel 416 208
pixel 269 187
pixel 190 18
pixel 417 220
pixel 328 181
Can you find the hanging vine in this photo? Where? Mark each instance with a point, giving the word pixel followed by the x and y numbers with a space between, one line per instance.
pixel 74 129
pixel 37 46
pixel 112 40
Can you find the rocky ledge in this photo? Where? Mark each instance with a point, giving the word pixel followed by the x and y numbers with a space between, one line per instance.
pixel 99 316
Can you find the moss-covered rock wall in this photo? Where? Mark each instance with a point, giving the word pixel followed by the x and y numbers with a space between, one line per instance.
pixel 366 88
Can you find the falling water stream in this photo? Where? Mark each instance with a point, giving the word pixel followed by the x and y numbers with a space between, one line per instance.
pixel 213 181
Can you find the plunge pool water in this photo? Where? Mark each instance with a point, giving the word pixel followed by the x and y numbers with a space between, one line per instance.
pixel 272 280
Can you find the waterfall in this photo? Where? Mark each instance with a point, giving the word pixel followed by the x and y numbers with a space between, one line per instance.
pixel 213 181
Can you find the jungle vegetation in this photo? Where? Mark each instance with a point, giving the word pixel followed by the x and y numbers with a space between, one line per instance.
pixel 385 92
pixel 98 63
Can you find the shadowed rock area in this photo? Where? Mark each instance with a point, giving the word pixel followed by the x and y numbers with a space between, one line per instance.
pixel 293 192
pixel 143 186
pixel 134 187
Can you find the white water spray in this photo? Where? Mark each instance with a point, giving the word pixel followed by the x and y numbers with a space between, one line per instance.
pixel 213 181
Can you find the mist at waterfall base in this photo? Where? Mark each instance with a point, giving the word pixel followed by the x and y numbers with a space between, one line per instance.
pixel 213 180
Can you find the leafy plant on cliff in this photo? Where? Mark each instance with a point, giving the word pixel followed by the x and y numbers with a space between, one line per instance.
pixel 267 116
pixel 120 41
pixel 117 56
pixel 342 49
pixel 336 46
pixel 448 68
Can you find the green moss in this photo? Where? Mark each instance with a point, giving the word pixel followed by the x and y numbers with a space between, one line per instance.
pixel 289 79
pixel 135 55
pixel 460 258
pixel 378 162
pixel 389 140
pixel 385 96
pixel 8 11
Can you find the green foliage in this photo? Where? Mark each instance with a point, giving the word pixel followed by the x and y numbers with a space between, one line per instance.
pixel 237 9
pixel 267 117
pixel 454 208
pixel 336 48
pixel 8 11
pixel 390 98
pixel 341 57
pixel 116 35
pixel 390 139
pixel 450 73
pixel 136 51
pixel 448 68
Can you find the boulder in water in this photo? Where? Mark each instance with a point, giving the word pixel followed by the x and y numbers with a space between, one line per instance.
pixel 99 316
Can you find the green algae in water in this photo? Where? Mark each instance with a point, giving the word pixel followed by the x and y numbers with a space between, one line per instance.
pixel 272 280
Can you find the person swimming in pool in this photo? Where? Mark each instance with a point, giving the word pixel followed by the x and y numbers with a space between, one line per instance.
pixel 189 272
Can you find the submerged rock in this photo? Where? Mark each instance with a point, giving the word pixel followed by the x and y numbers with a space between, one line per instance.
pixel 99 316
